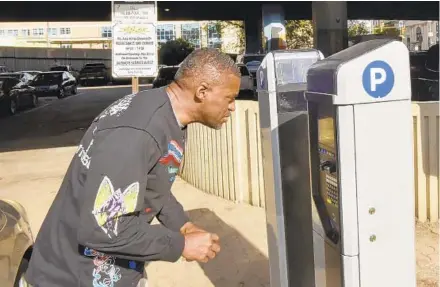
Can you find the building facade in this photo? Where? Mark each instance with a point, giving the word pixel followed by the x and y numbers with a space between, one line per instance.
pixel 98 35
pixel 421 35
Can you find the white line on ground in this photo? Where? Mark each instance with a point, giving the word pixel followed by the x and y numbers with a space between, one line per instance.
pixel 111 87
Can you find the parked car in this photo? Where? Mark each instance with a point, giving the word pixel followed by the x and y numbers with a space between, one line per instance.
pixel 16 242
pixel 425 74
pixel 165 76
pixel 22 76
pixel 4 69
pixel 247 88
pixel 15 95
pixel 58 84
pixel 252 62
pixel 93 73
pixel 32 73
pixel 65 68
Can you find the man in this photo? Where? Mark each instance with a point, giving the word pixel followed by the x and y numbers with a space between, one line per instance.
pixel 97 231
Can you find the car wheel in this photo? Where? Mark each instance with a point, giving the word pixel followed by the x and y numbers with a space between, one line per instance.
pixel 21 271
pixel 12 107
pixel 34 101
pixel 61 93
pixel 74 90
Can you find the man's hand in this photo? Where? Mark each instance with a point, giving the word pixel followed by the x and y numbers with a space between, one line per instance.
pixel 190 227
pixel 200 246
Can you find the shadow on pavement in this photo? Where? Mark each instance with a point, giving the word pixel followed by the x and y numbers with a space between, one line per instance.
pixel 59 123
pixel 239 263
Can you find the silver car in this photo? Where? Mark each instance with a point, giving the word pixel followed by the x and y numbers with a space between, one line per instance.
pixel 16 242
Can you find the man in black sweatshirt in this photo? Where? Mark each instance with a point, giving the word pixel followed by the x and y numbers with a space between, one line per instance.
pixel 97 231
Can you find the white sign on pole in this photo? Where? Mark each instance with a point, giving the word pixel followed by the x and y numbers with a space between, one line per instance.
pixel 134 39
pixel 142 12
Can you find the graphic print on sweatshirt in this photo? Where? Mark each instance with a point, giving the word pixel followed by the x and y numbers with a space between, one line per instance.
pixel 172 159
pixel 111 203
pixel 105 273
pixel 117 108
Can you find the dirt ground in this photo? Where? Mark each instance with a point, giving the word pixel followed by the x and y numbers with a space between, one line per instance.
pixel 33 176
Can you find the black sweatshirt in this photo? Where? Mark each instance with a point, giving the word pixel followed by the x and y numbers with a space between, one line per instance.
pixel 97 231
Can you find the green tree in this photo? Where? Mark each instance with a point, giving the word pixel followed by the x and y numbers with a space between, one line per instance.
pixel 387 29
pixel 357 28
pixel 238 26
pixel 299 34
pixel 173 52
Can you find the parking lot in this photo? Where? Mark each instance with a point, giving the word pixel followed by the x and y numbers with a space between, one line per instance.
pixel 36 147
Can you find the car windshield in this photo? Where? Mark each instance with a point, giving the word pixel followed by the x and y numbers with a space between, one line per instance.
pixel 48 78
pixel 94 66
pixel 59 68
pixel 251 58
pixel 92 69
pixel 168 73
pixel 244 71
pixel 32 73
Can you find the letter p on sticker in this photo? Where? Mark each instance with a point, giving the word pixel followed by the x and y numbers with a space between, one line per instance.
pixel 377 77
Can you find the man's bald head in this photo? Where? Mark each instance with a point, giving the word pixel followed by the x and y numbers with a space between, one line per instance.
pixel 205 65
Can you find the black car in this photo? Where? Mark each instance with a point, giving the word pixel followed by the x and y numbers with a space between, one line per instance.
pixel 165 76
pixel 58 84
pixel 65 68
pixel 425 75
pixel 15 95
pixel 94 73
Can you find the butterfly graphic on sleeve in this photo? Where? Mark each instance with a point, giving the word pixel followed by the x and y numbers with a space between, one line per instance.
pixel 110 204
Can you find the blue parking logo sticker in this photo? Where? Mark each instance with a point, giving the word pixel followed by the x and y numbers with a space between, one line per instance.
pixel 378 79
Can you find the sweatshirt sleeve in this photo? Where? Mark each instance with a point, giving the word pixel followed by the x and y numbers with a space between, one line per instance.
pixel 113 196
pixel 172 214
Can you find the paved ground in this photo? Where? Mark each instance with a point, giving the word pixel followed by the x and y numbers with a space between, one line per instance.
pixel 36 148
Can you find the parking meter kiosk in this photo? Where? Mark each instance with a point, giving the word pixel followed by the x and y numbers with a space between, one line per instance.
pixel 355 161
pixel 281 86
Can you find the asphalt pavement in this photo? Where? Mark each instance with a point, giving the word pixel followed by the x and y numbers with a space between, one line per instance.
pixel 41 127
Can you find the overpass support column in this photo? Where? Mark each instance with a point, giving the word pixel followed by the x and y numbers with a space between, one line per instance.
pixel 252 31
pixel 330 26
pixel 273 27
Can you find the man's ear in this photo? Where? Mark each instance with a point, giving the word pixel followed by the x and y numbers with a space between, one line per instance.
pixel 201 91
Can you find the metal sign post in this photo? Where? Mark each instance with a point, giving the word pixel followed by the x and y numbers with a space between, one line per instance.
pixel 134 40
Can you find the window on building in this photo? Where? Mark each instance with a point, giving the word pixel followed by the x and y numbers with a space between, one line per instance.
pixel 165 33
pixel 106 32
pixel 52 31
pixel 25 32
pixel 66 46
pixel 214 37
pixel 13 32
pixel 436 30
pixel 191 33
pixel 37 32
pixel 64 31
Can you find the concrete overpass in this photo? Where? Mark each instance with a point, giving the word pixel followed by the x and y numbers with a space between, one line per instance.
pixel 212 10
pixel 330 18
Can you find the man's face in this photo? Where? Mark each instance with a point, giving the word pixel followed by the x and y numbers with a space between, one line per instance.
pixel 218 101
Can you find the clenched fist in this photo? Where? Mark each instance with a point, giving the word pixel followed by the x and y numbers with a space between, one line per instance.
pixel 201 246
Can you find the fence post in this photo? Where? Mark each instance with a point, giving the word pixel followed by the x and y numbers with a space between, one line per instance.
pixel 239 138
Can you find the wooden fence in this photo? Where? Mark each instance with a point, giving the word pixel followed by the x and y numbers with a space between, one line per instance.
pixel 227 162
